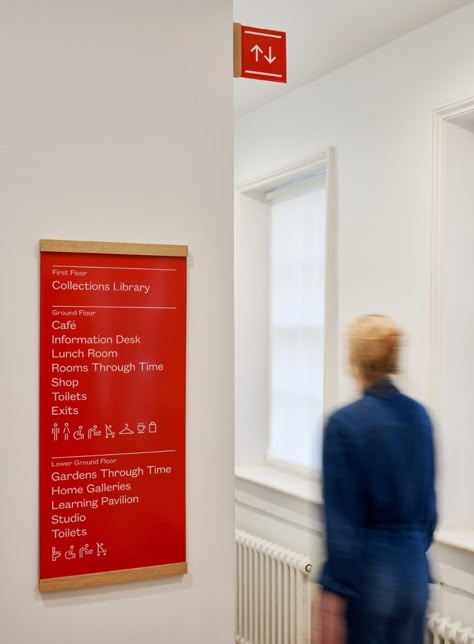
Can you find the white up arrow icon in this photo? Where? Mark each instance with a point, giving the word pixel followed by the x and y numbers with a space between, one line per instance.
pixel 257 51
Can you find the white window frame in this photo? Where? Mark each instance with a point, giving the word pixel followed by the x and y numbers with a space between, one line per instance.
pixel 442 117
pixel 322 164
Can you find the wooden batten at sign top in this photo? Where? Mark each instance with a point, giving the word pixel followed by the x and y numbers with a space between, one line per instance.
pixel 112 431
pixel 111 248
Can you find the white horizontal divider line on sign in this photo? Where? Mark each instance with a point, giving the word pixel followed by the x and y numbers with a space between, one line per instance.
pixel 161 451
pixel 251 71
pixel 259 33
pixel 93 306
pixel 115 268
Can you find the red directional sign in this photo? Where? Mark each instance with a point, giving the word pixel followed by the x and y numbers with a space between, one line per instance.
pixel 112 413
pixel 263 54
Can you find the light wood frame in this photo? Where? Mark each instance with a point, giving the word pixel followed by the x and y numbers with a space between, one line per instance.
pixel 237 50
pixel 112 577
pixel 111 248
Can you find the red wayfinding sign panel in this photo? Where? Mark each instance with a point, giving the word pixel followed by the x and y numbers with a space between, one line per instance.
pixel 112 416
pixel 263 54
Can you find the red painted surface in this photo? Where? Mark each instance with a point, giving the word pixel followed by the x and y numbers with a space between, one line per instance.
pixel 263 54
pixel 112 412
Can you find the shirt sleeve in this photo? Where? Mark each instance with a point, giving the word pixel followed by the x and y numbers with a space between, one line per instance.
pixel 344 513
pixel 427 475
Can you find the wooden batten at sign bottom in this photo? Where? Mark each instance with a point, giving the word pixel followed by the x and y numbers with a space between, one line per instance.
pixel 112 577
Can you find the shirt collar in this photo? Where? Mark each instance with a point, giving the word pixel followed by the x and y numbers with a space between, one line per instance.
pixel 381 389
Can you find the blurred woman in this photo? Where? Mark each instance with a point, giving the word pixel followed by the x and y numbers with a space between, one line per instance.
pixel 380 508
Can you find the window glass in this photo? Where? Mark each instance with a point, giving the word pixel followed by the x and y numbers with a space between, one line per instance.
pixel 296 334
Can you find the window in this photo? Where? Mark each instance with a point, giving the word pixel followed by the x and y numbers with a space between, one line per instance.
pixel 296 333
pixel 284 317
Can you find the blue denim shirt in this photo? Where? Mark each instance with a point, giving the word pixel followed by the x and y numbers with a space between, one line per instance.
pixel 380 506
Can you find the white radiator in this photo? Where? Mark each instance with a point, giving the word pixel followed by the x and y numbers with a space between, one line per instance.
pixel 441 630
pixel 273 593
pixel 274 598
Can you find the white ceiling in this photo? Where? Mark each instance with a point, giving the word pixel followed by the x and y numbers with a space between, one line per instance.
pixel 323 35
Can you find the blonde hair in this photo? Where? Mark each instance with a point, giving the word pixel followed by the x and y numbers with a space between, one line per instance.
pixel 374 344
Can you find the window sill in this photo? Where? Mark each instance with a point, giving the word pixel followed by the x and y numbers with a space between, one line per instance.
pixel 310 490
pixel 280 481
pixel 461 539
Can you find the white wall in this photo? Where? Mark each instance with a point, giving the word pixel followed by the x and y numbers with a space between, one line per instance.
pixel 377 114
pixel 252 294
pixel 116 124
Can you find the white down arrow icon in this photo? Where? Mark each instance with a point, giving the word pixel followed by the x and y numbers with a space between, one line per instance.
pixel 270 58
